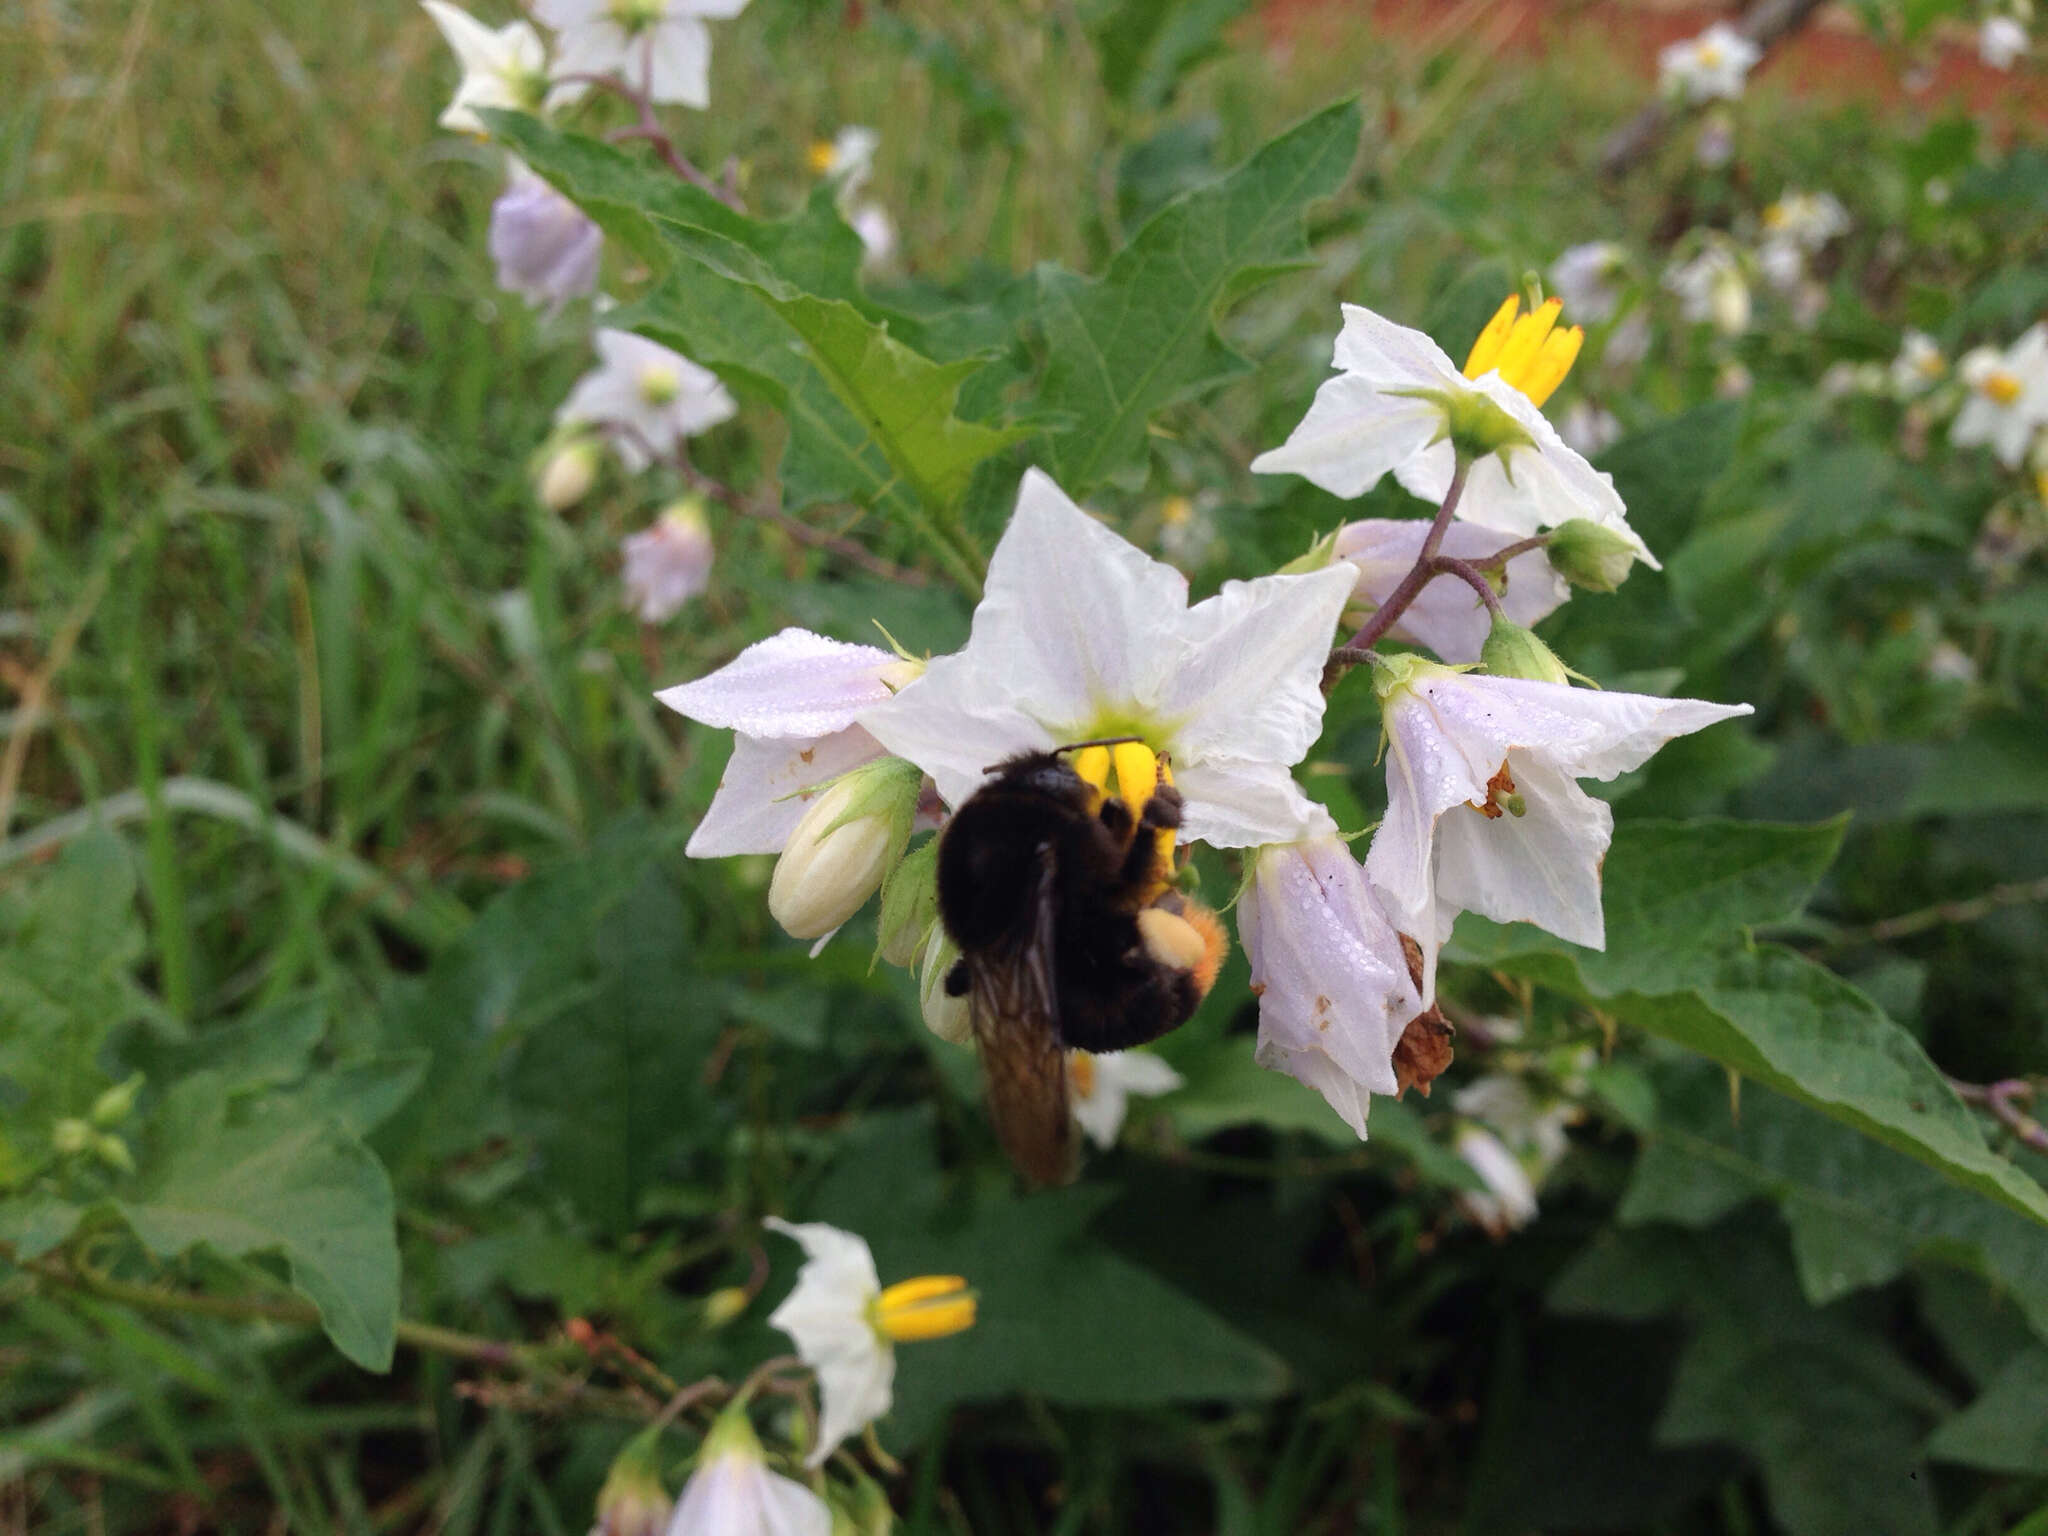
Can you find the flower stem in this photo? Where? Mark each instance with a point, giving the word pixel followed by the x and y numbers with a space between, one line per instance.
pixel 1467 572
pixel 1998 1098
pixel 1429 563
pixel 1500 557
pixel 649 128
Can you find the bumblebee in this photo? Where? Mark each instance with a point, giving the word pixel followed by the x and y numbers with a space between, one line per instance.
pixel 1058 887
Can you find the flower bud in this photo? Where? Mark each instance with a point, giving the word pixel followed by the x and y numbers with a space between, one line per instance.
pixel 724 1305
pixel 910 902
pixel 1512 651
pixel 116 1104
pixel 69 1137
pixel 1590 556
pixel 567 474
pixel 633 1501
pixel 944 1015
pixel 113 1151
pixel 837 855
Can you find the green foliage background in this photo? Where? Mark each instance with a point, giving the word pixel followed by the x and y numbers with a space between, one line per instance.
pixel 341 829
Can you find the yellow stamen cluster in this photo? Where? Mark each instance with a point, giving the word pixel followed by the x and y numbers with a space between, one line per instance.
pixel 2000 387
pixel 1528 351
pixel 1138 772
pixel 928 1307
pixel 821 156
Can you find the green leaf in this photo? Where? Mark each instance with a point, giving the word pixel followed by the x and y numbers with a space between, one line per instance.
pixel 68 942
pixel 1142 336
pixel 1673 893
pixel 1859 1212
pixel 33 1224
pixel 1146 46
pixel 305 1188
pixel 1061 1316
pixel 2006 1428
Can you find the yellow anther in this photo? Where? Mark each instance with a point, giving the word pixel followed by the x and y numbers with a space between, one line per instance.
pixel 928 1307
pixel 1092 764
pixel 821 155
pixel 2000 388
pixel 1560 351
pixel 1486 350
pixel 1176 510
pixel 1137 773
pixel 1081 1073
pixel 1526 340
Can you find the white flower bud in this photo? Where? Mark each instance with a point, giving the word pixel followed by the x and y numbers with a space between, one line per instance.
pixel 839 852
pixel 945 1016
pixel 567 475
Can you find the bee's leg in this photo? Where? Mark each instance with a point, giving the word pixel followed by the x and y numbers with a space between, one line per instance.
pixel 1115 817
pixel 957 980
pixel 1148 858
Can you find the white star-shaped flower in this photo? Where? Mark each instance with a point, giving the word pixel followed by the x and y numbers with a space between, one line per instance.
pixel 1333 983
pixel 1104 1085
pixel 791 701
pixel 1390 409
pixel 1919 365
pixel 1586 278
pixel 667 563
pixel 546 248
pixel 846 1327
pixel 1447 616
pixel 1484 813
pixel 1713 65
pixel 2008 400
pixel 506 67
pixel 733 1493
pixel 646 397
pixel 659 46
pixel 1080 635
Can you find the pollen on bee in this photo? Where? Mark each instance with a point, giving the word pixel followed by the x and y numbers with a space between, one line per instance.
pixel 1190 939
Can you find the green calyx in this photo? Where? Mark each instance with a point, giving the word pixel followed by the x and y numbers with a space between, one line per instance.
pixel 1512 651
pixel 1317 557
pixel 1404 669
pixel 1590 556
pixel 910 903
pixel 1473 424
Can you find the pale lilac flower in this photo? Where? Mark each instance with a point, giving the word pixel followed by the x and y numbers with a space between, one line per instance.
pixel 547 249
pixel 1103 1086
pixel 659 46
pixel 791 701
pixel 1447 616
pixel 1590 429
pixel 1714 145
pixel 668 563
pixel 1483 810
pixel 646 397
pixel 1712 66
pixel 2008 399
pixel 1387 410
pixel 505 67
pixel 2001 41
pixel 732 1492
pixel 1782 262
pixel 1334 988
pixel 846 1326
pixel 1586 278
pixel 1080 635
pixel 1628 343
pixel 877 233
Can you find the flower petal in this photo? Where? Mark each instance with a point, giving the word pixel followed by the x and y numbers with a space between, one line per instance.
pixel 1447 616
pixel 1237 803
pixel 794 683
pixel 1353 434
pixel 680 49
pixel 768 785
pixel 1541 867
pixel 1394 355
pixel 826 1316
pixel 1248 681
pixel 1316 1070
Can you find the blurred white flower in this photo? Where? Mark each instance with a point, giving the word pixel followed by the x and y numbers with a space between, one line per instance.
pixel 1586 277
pixel 732 1492
pixel 1919 365
pixel 846 1327
pixel 1809 220
pixel 1102 1087
pixel 1510 1198
pixel 1782 263
pixel 659 46
pixel 1628 343
pixel 1732 381
pixel 547 249
pixel 877 233
pixel 1711 287
pixel 848 159
pixel 2001 41
pixel 1948 662
pixel 667 563
pixel 1080 635
pixel 1333 984
pixel 506 67
pixel 646 398
pixel 1589 429
pixel 1484 813
pixel 791 701
pixel 1712 66
pixel 1447 616
pixel 1397 401
pixel 2008 396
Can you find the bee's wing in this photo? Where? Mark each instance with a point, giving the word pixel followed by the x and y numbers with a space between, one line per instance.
pixel 1013 1000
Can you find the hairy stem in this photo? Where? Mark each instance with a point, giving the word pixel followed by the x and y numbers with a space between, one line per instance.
pixel 1467 572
